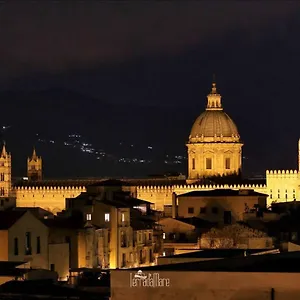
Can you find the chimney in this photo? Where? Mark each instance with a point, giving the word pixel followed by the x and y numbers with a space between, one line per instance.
pixel 174 206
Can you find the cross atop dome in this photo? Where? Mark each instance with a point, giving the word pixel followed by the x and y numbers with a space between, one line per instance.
pixel 214 99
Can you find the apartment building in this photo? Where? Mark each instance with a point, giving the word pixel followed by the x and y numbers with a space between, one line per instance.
pixel 25 238
pixel 122 232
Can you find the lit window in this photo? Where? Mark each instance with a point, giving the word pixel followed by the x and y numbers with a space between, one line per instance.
pixel 164 235
pixel 164 253
pixel 123 217
pixel 106 217
pixel 89 217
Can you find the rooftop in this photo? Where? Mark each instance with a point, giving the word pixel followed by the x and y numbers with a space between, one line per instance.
pixel 218 253
pixel 270 263
pixel 9 218
pixel 222 193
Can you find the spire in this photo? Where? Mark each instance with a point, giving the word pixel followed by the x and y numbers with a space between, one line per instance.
pixel 34 156
pixel 214 99
pixel 3 153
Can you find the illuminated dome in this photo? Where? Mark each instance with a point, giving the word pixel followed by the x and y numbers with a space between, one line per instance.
pixel 214 125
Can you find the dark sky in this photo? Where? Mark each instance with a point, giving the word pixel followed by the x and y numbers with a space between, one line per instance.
pixel 145 48
pixel 164 54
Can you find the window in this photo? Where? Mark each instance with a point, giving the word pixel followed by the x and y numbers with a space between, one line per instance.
pixel 2 202
pixel 193 163
pixel 122 217
pixel 2 177
pixel 227 217
pixel 89 217
pixel 208 164
pixel 150 236
pixel 52 267
pixel 190 210
pixel 227 163
pixel 38 245
pixel 123 239
pixel 28 243
pixel 106 217
pixel 202 210
pixel 164 235
pixel 2 192
pixel 123 264
pixel 16 246
pixel 215 210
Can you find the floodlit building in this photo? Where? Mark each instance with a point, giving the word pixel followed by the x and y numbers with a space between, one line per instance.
pixel 214 149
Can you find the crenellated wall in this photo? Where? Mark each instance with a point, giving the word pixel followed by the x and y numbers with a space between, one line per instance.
pixel 49 198
pixel 162 195
pixel 282 185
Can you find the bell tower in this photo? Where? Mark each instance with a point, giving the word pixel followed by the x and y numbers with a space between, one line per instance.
pixel 5 173
pixel 34 167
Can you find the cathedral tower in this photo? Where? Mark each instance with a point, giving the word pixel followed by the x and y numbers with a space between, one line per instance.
pixel 214 146
pixel 34 167
pixel 5 173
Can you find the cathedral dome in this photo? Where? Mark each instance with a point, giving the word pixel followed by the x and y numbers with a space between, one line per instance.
pixel 214 125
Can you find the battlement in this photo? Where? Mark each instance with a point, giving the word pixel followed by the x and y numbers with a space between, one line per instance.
pixel 276 172
pixel 282 174
pixel 200 187
pixel 50 188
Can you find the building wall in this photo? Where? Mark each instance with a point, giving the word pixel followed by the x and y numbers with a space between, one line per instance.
pixel 210 286
pixel 162 195
pixel 29 223
pixel 4 245
pixel 218 153
pixel 59 257
pixel 282 185
pixel 50 198
pixel 235 204
pixel 53 198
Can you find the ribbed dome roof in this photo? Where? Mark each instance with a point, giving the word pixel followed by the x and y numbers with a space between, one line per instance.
pixel 214 125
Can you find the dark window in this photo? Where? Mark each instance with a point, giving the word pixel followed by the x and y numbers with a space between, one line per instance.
pixel 190 210
pixel 215 210
pixel 52 267
pixel 150 255
pixel 193 163
pixel 16 246
pixel 123 239
pixel 123 260
pixel 38 245
pixel 202 210
pixel 227 217
pixel 2 202
pixel 208 163
pixel 227 163
pixel 28 243
pixel 2 177
pixel 2 191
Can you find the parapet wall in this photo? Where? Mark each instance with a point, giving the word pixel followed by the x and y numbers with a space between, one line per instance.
pixel 282 173
pixel 47 197
pixel 162 195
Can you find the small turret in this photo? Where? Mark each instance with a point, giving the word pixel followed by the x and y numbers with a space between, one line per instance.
pixel 34 167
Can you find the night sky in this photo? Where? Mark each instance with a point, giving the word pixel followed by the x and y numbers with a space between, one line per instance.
pixel 164 54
